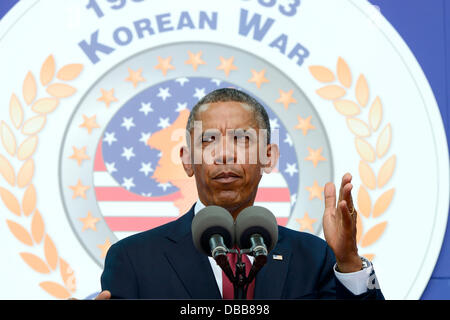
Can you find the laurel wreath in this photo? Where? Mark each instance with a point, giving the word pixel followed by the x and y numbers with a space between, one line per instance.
pixel 372 143
pixel 29 227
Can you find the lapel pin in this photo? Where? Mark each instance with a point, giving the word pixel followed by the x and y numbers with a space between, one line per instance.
pixel 277 257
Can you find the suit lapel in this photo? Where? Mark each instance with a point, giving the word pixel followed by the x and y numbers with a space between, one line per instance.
pixel 192 267
pixel 271 278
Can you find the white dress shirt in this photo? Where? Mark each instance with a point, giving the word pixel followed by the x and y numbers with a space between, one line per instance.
pixel 355 282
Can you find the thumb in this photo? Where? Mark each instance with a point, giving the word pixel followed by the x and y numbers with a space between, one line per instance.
pixel 330 196
pixel 104 295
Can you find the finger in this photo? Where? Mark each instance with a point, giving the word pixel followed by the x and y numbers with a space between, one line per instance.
pixel 104 295
pixel 345 214
pixel 347 178
pixel 347 196
pixel 330 196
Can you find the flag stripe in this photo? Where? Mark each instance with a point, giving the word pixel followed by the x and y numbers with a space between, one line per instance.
pixel 99 165
pixel 121 194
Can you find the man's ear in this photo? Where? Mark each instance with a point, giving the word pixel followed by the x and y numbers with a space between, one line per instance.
pixel 273 154
pixel 185 156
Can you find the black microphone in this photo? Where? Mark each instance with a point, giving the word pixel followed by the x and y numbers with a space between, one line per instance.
pixel 256 230
pixel 213 233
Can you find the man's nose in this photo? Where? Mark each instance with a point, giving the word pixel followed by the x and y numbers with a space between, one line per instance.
pixel 226 151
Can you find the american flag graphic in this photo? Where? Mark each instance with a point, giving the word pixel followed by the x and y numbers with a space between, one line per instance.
pixel 130 199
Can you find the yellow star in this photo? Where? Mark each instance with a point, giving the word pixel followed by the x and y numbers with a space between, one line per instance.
pixel 135 77
pixel 79 190
pixel 195 60
pixel 315 156
pixel 107 97
pixel 79 155
pixel 227 65
pixel 315 191
pixel 286 98
pixel 304 124
pixel 89 222
pixel 306 222
pixel 104 247
pixel 164 65
pixel 258 77
pixel 89 123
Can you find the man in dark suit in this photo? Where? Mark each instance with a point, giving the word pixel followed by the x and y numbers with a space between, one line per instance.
pixel 163 262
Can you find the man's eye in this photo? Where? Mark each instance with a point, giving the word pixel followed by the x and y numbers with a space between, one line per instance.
pixel 208 138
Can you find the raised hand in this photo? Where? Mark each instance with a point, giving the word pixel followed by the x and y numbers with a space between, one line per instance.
pixel 339 225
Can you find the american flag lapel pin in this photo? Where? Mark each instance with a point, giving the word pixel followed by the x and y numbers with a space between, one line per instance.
pixel 277 257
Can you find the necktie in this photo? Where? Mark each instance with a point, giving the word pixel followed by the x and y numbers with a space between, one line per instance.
pixel 227 286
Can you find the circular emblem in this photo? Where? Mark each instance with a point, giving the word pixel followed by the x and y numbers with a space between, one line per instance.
pixel 97 113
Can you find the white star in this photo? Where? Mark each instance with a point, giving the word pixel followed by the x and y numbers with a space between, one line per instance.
pixel 160 154
pixel 216 81
pixel 293 198
pixel 288 140
pixel 163 122
pixel 128 153
pixel 144 137
pixel 146 194
pixel 110 167
pixel 274 124
pixel 164 185
pixel 291 169
pixel 128 123
pixel 146 108
pixel 199 93
pixel 182 81
pixel 110 138
pixel 164 93
pixel 146 168
pixel 181 107
pixel 128 183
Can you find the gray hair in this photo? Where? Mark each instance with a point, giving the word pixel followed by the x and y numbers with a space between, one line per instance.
pixel 225 95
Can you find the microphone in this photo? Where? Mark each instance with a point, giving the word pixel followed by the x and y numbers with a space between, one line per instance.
pixel 256 230
pixel 213 233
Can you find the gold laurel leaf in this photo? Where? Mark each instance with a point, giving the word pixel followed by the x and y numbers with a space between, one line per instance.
pixel 36 263
pixel 29 200
pixel 8 139
pixel 331 92
pixel 27 148
pixel 7 171
pixel 384 141
pixel 367 175
pixel 364 202
pixel 386 171
pixel 346 107
pixel 48 70
pixel 20 233
pixel 55 289
pixel 69 72
pixel 37 227
pixel 50 252
pixel 359 228
pixel 34 125
pixel 383 203
pixel 60 90
pixel 358 127
pixel 375 114
pixel 365 150
pixel 343 73
pixel 10 201
pixel 45 105
pixel 322 74
pixel 29 88
pixel 373 234
pixel 362 91
pixel 68 275
pixel 15 111
pixel 25 173
pixel 369 256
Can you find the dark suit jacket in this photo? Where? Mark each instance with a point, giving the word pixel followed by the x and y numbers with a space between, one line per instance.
pixel 163 263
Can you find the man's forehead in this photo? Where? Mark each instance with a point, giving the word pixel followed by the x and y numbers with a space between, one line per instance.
pixel 228 114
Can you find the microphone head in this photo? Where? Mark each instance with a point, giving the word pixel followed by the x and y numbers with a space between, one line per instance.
pixel 209 221
pixel 256 220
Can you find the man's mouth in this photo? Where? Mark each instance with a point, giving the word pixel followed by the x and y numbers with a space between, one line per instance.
pixel 226 177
